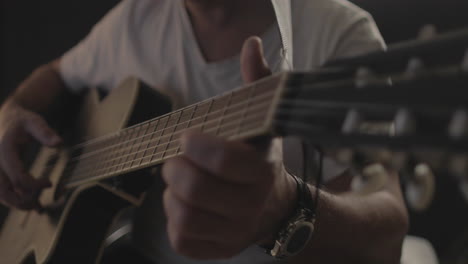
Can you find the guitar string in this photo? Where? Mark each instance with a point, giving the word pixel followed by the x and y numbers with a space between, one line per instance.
pixel 71 182
pixel 171 114
pixel 206 116
pixel 237 123
pixel 142 146
pixel 88 173
pixel 166 149
pixel 83 179
pixel 175 133
pixel 209 100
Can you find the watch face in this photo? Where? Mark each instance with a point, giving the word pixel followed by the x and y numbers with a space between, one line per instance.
pixel 299 237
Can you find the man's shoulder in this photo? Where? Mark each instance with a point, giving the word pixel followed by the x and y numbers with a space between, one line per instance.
pixel 326 11
pixel 324 30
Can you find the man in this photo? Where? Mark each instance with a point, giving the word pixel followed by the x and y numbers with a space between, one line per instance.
pixel 223 199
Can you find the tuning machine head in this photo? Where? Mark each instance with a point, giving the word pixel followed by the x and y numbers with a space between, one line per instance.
pixel 364 77
pixel 458 127
pixel 420 188
pixel 352 122
pixel 405 123
pixel 458 166
pixel 372 178
pixel 414 67
pixel 464 65
pixel 427 32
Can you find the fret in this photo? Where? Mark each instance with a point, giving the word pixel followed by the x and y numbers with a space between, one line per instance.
pixel 244 112
pixel 229 128
pixel 220 122
pixel 241 96
pixel 171 135
pixel 194 110
pixel 202 129
pixel 100 158
pixel 215 113
pixel 151 134
pixel 156 134
pixel 252 123
pixel 187 115
pixel 220 103
pixel 126 150
pixel 262 88
pixel 111 166
pixel 141 144
pixel 161 127
pixel 105 157
pixel 202 110
pixel 134 146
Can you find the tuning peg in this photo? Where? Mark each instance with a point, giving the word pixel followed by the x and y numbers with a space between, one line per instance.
pixel 458 165
pixel 414 67
pixel 405 123
pixel 458 127
pixel 464 189
pixel 352 122
pixel 464 65
pixel 427 32
pixel 373 178
pixel 364 77
pixel 420 188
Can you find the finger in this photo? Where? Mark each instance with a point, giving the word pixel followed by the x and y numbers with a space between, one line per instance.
pixel 10 198
pixel 233 161
pixel 253 63
pixel 7 194
pixel 189 228
pixel 19 177
pixel 40 130
pixel 202 190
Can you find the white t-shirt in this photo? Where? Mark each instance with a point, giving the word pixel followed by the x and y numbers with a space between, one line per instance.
pixel 153 40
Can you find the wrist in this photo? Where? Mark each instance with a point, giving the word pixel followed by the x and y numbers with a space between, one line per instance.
pixel 281 207
pixel 296 231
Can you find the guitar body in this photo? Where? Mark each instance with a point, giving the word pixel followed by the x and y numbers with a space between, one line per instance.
pixel 72 228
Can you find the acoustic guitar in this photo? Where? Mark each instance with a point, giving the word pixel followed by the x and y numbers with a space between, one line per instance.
pixel 410 100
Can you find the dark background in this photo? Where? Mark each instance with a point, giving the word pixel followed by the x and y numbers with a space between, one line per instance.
pixel 35 32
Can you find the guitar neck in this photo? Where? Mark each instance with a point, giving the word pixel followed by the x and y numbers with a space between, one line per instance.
pixel 240 114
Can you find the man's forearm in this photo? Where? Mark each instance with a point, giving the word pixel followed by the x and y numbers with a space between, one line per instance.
pixel 358 229
pixel 40 90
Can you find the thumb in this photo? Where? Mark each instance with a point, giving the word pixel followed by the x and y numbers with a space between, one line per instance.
pixel 40 130
pixel 253 63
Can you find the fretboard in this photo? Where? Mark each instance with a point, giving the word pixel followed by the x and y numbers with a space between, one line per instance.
pixel 236 115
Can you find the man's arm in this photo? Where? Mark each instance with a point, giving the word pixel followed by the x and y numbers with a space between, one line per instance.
pixel 21 119
pixel 353 228
pixel 222 197
pixel 40 89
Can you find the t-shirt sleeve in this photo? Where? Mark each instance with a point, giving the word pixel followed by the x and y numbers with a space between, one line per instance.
pixel 88 63
pixel 359 37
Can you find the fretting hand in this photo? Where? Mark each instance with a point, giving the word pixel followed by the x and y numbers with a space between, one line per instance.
pixel 223 197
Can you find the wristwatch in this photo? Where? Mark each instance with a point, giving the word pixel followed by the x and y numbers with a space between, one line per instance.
pixel 297 231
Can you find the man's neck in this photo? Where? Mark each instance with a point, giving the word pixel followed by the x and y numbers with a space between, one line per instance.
pixel 221 26
pixel 225 12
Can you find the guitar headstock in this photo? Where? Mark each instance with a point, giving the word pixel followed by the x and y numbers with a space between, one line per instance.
pixel 405 108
